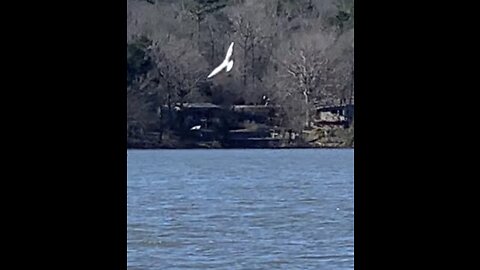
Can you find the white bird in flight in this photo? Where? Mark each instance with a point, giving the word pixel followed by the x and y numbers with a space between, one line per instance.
pixel 196 127
pixel 227 63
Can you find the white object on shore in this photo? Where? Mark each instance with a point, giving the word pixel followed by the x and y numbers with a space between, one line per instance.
pixel 227 63
pixel 196 127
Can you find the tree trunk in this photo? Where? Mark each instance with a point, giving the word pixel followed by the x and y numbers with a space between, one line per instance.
pixel 253 63
pixel 198 31
pixel 307 109
pixel 351 87
pixel 245 62
pixel 212 46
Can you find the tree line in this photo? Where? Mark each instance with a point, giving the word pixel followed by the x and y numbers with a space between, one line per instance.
pixel 298 53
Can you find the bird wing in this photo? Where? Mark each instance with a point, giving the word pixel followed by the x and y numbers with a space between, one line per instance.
pixel 229 65
pixel 217 69
pixel 229 52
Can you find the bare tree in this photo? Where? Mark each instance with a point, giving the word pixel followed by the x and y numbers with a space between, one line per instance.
pixel 342 54
pixel 253 28
pixel 191 69
pixel 198 11
pixel 179 68
pixel 305 67
pixel 298 53
pixel 216 36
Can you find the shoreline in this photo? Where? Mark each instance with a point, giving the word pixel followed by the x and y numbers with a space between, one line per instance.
pixel 228 148
pixel 343 140
pixel 265 148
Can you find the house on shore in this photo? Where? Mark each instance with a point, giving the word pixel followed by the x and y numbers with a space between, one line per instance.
pixel 334 115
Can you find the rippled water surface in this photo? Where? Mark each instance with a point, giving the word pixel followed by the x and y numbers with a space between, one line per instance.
pixel 240 209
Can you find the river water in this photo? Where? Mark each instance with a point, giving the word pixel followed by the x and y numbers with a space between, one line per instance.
pixel 240 209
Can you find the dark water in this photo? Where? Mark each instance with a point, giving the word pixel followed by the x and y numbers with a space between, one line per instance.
pixel 240 209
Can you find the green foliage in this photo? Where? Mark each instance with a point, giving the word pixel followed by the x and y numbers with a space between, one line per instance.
pixel 138 62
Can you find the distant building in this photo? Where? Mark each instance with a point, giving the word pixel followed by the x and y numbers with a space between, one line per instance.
pixel 341 115
pixel 187 115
